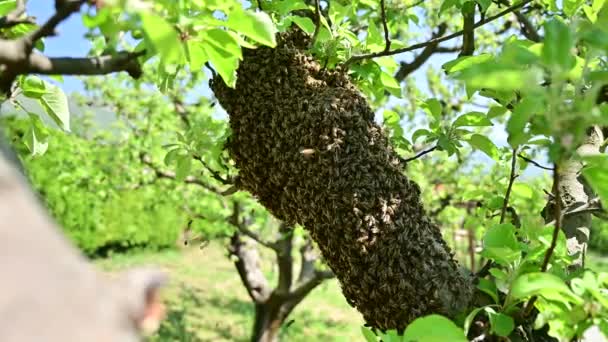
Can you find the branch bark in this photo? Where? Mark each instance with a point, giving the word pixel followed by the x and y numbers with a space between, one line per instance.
pixel 510 9
pixel 575 192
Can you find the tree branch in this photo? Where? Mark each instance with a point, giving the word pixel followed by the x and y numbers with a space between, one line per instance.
pixel 215 174
pixel 558 226
pixel 419 155
pixel 317 22
pixel 468 28
pixel 63 8
pixel 284 247
pixel 512 178
pixel 171 175
pixel 436 40
pixel 14 17
pixel 407 68
pixel 243 227
pixel 387 38
pixel 248 266
pixel 534 163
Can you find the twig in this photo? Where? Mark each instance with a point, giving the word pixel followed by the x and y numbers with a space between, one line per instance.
pixel 387 38
pixel 13 18
pixel 171 175
pixel 215 174
pixel 558 224
pixel 486 268
pixel 419 155
pixel 512 178
pixel 534 163
pixel 436 40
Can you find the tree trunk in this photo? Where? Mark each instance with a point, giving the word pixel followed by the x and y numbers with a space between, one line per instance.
pixel 575 194
pixel 268 321
pixel 306 145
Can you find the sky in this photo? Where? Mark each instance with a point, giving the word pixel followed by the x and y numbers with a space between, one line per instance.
pixel 70 42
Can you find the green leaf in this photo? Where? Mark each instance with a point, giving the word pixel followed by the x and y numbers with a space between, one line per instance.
pixel 501 324
pixel 485 4
pixel 374 41
pixel 465 62
pixel 558 42
pixel 484 144
pixel 304 23
pixel 33 87
pixel 523 190
pixel 171 156
pixel 541 284
pixel 224 53
pixel 420 133
pixel 522 113
pixel 162 37
pixel 184 163
pixel 390 84
pixel 470 318
pixel 284 7
pixel 446 5
pixel 496 111
pixel 368 334
pixel 472 119
pixel 432 107
pixel 499 77
pixel 433 328
pixel 196 55
pixel 35 137
pixel 571 6
pixel 488 287
pixel 500 244
pixel 6 6
pixel 596 173
pixel 55 103
pixel 255 25
pixel 391 118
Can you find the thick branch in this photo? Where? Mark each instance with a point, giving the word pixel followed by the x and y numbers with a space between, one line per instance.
pixel 436 40
pixel 64 8
pixel 407 68
pixel 248 266
pixel 243 227
pixel 468 28
pixel 283 251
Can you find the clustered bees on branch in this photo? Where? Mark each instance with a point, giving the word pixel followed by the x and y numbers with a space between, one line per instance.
pixel 306 145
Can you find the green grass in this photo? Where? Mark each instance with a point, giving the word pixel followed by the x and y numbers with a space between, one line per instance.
pixel 207 301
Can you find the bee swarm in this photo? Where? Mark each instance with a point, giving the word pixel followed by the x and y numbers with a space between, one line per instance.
pixel 306 146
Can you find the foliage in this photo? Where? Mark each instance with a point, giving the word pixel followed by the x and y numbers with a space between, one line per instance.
pixel 545 92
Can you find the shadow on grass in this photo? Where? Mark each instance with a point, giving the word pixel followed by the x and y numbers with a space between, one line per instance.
pixel 175 324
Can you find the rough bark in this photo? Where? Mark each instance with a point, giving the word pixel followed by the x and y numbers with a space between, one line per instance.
pixel 272 306
pixel 575 194
pixel 306 146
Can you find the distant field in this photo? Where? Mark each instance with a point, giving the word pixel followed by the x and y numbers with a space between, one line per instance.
pixel 208 303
